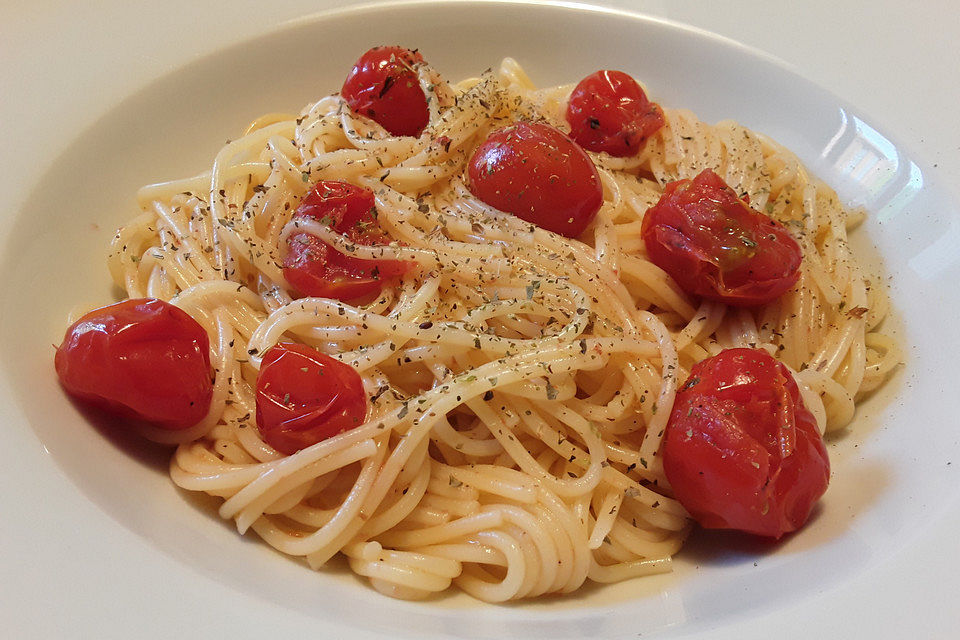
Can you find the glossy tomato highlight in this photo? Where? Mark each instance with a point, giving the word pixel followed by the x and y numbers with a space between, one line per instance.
pixel 314 268
pixel 741 450
pixel 384 87
pixel 539 175
pixel 715 246
pixel 305 397
pixel 608 111
pixel 140 358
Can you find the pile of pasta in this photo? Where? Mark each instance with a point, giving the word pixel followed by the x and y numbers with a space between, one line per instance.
pixel 519 381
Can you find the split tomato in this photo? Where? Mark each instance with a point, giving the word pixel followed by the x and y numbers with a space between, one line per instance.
pixel 741 450
pixel 608 111
pixel 715 246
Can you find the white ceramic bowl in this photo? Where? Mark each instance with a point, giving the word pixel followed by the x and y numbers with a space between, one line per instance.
pixel 896 451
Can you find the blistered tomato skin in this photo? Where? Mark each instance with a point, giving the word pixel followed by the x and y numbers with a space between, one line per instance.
pixel 716 247
pixel 741 450
pixel 305 397
pixel 140 358
pixel 608 111
pixel 314 268
pixel 538 174
pixel 384 87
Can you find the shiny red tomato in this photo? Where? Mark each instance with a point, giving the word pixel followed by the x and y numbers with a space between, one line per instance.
pixel 305 397
pixel 314 268
pixel 384 87
pixel 741 450
pixel 539 175
pixel 608 111
pixel 717 247
pixel 141 358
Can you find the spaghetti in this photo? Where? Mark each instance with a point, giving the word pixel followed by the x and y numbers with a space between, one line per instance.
pixel 520 382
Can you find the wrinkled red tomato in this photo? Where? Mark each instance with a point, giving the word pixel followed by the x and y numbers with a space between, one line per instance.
pixel 715 246
pixel 140 358
pixel 384 87
pixel 314 268
pixel 539 175
pixel 608 111
pixel 305 397
pixel 741 450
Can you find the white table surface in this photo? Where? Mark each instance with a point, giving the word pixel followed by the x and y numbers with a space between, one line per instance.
pixel 896 61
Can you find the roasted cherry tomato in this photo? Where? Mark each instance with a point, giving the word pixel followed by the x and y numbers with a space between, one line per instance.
pixel 717 247
pixel 314 268
pixel 305 397
pixel 383 86
pixel 741 450
pixel 539 175
pixel 608 111
pixel 141 358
